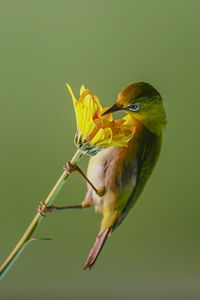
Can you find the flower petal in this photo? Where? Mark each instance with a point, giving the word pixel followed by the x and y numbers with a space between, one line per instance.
pixel 99 136
pixel 98 104
pixel 82 89
pixel 71 93
pixel 85 123
pixel 107 139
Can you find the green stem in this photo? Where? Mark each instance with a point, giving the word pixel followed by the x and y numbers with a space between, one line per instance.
pixel 36 220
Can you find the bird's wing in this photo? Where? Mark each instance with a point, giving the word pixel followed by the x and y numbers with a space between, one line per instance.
pixel 146 160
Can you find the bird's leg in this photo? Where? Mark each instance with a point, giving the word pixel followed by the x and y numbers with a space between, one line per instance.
pixel 43 209
pixel 69 169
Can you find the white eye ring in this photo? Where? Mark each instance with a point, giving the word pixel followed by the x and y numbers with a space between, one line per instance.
pixel 134 107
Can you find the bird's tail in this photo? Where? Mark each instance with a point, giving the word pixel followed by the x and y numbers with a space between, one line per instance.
pixel 98 245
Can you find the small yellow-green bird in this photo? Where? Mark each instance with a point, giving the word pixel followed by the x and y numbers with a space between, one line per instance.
pixel 123 171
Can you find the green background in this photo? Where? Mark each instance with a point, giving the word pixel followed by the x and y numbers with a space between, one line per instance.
pixel 106 45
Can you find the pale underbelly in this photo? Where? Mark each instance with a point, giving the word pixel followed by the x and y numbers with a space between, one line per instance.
pixel 108 169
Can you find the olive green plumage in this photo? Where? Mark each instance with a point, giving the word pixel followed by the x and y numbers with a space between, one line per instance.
pixel 123 171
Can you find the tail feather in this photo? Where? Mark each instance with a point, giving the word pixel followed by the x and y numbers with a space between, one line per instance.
pixel 98 245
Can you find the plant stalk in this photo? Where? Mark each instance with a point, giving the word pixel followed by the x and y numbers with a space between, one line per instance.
pixel 37 219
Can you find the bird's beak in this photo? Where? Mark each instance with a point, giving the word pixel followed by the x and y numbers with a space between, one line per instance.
pixel 113 109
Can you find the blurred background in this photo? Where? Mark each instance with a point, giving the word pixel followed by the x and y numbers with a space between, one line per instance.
pixel 155 253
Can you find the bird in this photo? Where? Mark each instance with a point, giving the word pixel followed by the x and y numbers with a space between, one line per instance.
pixel 123 171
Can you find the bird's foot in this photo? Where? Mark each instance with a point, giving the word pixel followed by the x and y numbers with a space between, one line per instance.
pixel 43 209
pixel 68 168
pixel 101 192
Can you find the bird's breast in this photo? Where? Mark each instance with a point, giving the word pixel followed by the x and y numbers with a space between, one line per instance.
pixel 115 169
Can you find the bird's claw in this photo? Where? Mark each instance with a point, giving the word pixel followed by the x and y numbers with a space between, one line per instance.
pixel 68 168
pixel 42 209
pixel 101 192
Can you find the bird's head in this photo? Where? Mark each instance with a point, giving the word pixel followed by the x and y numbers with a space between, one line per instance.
pixel 143 102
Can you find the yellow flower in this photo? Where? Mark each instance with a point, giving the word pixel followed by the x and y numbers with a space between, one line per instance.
pixel 94 131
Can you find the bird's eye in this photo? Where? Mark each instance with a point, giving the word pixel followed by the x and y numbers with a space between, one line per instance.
pixel 134 107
